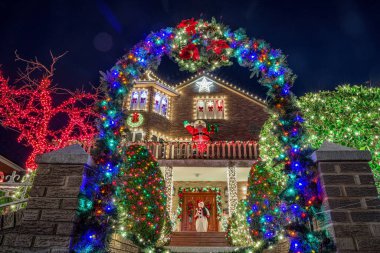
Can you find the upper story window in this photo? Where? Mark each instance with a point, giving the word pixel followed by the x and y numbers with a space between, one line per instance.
pixel 138 100
pixel 161 104
pixel 210 108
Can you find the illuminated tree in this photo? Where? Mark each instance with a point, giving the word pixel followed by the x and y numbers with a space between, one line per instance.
pixel 30 110
pixel 348 116
pixel 141 198
pixel 238 230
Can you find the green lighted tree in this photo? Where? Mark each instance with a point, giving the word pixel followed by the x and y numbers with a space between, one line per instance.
pixel 349 116
pixel 141 198
pixel 238 230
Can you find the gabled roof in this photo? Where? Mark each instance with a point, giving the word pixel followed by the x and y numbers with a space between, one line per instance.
pixel 7 166
pixel 150 79
pixel 221 82
pixel 149 76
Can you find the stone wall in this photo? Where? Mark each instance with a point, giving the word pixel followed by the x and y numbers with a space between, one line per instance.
pixel 351 203
pixel 48 222
pixel 120 245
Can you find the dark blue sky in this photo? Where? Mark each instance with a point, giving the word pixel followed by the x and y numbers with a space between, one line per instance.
pixel 327 42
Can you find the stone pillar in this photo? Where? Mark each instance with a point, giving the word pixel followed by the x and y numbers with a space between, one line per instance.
pixel 351 203
pixel 50 216
pixel 232 188
pixel 169 189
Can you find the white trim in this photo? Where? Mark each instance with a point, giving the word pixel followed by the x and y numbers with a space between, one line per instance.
pixel 11 164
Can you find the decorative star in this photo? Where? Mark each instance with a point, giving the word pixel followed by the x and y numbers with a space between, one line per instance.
pixel 204 85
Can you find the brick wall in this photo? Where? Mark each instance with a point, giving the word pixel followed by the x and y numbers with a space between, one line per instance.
pixel 245 117
pixel 351 203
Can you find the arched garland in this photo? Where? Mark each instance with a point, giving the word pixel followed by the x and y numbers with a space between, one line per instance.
pixel 199 45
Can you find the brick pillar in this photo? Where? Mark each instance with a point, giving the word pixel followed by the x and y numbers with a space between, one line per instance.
pixel 50 216
pixel 351 202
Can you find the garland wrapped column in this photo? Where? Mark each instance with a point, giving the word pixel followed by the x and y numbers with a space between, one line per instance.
pixel 232 188
pixel 169 189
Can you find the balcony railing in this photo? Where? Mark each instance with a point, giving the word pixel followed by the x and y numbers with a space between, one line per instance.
pixel 240 150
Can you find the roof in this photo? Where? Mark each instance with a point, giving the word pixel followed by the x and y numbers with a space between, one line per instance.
pixel 8 167
pixel 150 76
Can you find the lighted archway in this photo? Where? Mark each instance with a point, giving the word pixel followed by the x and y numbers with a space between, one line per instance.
pixel 198 45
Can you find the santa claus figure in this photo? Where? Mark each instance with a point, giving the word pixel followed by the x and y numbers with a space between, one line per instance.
pixel 201 215
pixel 200 134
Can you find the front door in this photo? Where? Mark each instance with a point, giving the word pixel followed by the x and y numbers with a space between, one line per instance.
pixel 189 204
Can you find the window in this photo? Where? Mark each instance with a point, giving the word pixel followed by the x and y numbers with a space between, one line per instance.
pixel 210 108
pixel 161 104
pixel 137 136
pixel 138 99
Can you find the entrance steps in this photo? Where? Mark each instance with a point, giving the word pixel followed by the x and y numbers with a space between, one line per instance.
pixel 178 249
pixel 199 239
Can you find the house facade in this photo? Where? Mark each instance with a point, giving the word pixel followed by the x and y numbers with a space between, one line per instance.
pixel 209 165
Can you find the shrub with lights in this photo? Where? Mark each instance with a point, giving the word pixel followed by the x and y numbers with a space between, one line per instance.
pixel 141 199
pixel 238 233
pixel 198 45
pixel 348 115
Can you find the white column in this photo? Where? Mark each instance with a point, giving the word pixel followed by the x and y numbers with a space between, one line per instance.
pixel 232 188
pixel 169 189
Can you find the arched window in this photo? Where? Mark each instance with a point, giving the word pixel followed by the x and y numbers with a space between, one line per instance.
pixel 143 96
pixel 160 104
pixel 134 100
pixel 138 100
pixel 164 106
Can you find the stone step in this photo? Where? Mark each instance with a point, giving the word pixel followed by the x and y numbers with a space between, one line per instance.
pixel 176 249
pixel 207 239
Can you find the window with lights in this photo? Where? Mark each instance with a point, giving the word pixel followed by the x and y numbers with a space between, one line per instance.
pixel 138 100
pixel 161 104
pixel 210 108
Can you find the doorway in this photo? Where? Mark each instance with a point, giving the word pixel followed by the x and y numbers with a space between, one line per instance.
pixel 189 205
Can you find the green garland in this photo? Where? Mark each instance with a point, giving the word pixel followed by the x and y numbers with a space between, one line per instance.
pixel 181 190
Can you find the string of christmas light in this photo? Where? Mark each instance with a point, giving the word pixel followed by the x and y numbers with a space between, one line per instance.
pixel 30 110
pixel 141 198
pixel 349 116
pixel 263 206
pixel 238 233
pixel 198 45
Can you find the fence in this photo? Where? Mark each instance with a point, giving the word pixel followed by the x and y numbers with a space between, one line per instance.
pixel 242 150
pixel 13 191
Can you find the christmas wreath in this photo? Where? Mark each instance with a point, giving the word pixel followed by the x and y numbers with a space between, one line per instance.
pixel 135 120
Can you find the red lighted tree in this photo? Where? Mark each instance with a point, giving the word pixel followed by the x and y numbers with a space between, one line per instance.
pixel 30 109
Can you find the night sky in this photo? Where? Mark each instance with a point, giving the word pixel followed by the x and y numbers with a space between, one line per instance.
pixel 327 42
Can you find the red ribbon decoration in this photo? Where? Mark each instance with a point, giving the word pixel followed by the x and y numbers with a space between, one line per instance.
pixel 189 52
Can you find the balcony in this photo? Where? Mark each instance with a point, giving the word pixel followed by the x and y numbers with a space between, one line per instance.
pixel 220 150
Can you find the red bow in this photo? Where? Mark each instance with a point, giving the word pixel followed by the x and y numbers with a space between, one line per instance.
pixel 189 25
pixel 218 46
pixel 189 52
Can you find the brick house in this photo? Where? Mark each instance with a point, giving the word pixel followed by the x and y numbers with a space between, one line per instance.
pixel 217 173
